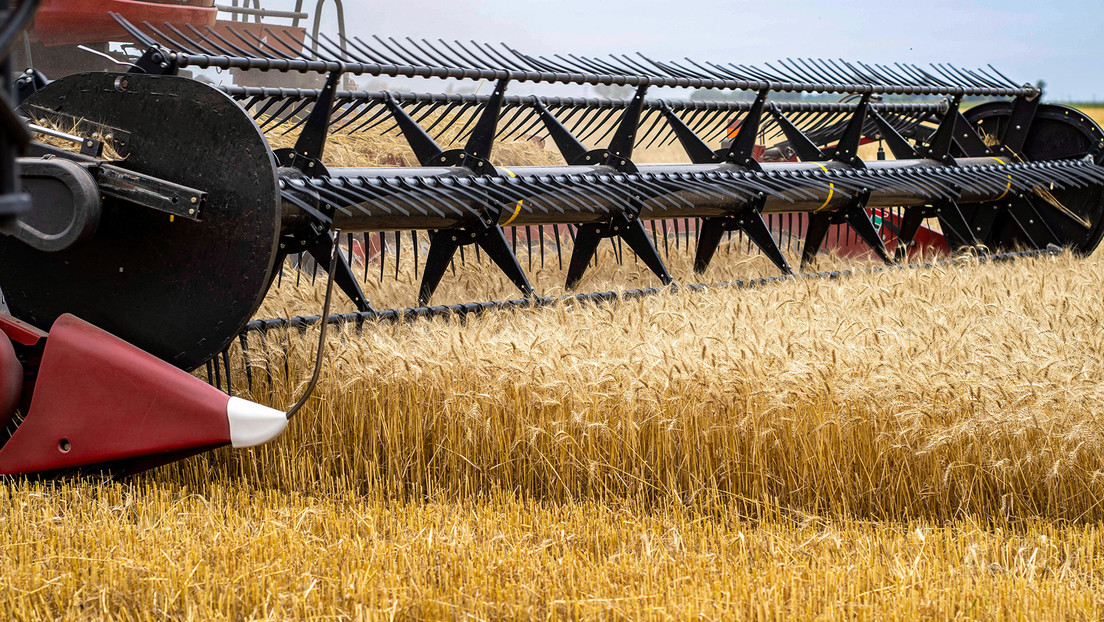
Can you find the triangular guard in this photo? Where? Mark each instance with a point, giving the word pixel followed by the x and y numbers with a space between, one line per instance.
pixel 100 401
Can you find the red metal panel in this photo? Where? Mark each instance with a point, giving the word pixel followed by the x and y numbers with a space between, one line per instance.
pixel 11 381
pixel 19 331
pixel 60 22
pixel 100 400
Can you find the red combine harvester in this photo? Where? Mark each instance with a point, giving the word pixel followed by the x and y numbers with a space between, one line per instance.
pixel 149 264
pixel 66 35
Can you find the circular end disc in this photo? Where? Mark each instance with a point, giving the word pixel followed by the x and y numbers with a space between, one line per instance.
pixel 180 289
pixel 1075 215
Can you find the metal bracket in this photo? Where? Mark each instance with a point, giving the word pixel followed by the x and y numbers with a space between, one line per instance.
pixel 631 231
pixel 743 146
pixel 28 82
pixel 623 141
pixel 425 148
pixel 805 149
pixel 848 145
pixel 151 192
pixel 1027 217
pixel 899 146
pixel 443 245
pixel 570 148
pixel 484 231
pixel 155 61
pixel 306 155
pixel 88 146
pixel 483 134
pixel 968 140
pixel 1019 124
pixel 625 225
pixel 939 147
pixel 91 135
pixel 695 147
pixel 750 221
pixel 953 224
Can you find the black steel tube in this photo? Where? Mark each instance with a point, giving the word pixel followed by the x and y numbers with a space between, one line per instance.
pixel 396 198
pixel 357 56
pixel 302 65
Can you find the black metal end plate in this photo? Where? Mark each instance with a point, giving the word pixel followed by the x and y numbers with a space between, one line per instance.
pixel 1057 133
pixel 179 289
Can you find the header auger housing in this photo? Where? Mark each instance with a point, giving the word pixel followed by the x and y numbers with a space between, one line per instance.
pixel 174 245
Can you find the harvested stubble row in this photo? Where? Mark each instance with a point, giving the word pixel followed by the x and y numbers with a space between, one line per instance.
pixel 226 549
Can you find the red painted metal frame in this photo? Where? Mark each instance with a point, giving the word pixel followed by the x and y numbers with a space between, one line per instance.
pixel 100 402
pixel 60 22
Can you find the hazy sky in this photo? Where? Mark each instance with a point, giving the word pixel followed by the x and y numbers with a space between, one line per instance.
pixel 1061 43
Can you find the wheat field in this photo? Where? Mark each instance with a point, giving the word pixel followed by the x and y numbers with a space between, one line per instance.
pixel 891 445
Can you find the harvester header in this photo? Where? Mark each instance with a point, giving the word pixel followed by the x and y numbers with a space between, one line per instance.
pixel 198 213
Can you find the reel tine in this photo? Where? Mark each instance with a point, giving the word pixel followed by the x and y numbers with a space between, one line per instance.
pixel 540 235
pixel 362 109
pixel 244 344
pixel 529 247
pixel 383 254
pixel 226 364
pixel 193 42
pixel 559 246
pixel 364 243
pixel 398 254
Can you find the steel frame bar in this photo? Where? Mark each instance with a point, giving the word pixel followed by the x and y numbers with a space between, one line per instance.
pixel 488 62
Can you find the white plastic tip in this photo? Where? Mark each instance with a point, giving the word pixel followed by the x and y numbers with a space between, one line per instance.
pixel 252 424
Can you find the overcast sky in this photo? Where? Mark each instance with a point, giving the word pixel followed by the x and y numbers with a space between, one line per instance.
pixel 1028 40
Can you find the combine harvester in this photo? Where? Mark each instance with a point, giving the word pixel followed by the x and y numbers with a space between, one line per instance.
pixel 174 245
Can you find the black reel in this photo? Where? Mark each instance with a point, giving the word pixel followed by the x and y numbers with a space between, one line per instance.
pixel 178 288
pixel 1075 216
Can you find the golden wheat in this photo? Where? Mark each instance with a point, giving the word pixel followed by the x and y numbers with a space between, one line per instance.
pixel 885 446
pixel 932 393
pixel 231 550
